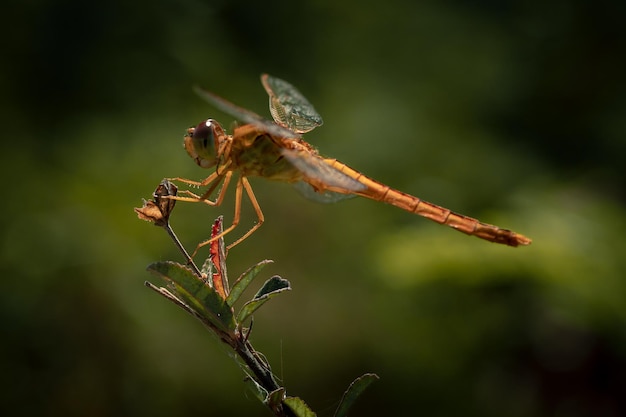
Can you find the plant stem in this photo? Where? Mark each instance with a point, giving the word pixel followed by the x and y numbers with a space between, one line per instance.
pixel 182 249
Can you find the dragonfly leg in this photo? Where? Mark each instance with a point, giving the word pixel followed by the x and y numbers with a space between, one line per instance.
pixel 195 198
pixel 242 184
pixel 208 180
pixel 236 217
pixel 257 209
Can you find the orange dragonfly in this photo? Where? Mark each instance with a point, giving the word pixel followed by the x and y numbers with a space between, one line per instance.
pixel 276 151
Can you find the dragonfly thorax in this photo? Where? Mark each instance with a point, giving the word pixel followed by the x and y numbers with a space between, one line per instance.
pixel 201 142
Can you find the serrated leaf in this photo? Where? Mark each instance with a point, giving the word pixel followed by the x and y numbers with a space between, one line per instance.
pixel 203 299
pixel 270 289
pixel 244 280
pixel 355 389
pixel 298 407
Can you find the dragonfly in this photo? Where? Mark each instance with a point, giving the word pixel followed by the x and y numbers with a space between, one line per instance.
pixel 275 150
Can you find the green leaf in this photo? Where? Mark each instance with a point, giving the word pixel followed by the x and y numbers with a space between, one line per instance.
pixel 272 285
pixel 271 288
pixel 352 393
pixel 202 299
pixel 299 407
pixel 244 280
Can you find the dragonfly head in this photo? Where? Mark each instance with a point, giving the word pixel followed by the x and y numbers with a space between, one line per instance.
pixel 200 142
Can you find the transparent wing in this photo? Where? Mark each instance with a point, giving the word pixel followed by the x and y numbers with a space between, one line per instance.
pixel 244 115
pixel 289 107
pixel 321 176
pixel 326 197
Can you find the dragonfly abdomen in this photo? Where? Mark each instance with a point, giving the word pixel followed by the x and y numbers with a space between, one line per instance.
pixel 380 192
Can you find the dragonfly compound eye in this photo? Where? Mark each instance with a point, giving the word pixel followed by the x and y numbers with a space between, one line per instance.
pixel 200 142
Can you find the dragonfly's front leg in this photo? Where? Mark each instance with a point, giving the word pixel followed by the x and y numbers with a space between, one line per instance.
pixel 214 179
pixel 208 180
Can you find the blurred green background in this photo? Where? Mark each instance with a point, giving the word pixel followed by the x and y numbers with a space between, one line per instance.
pixel 511 112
